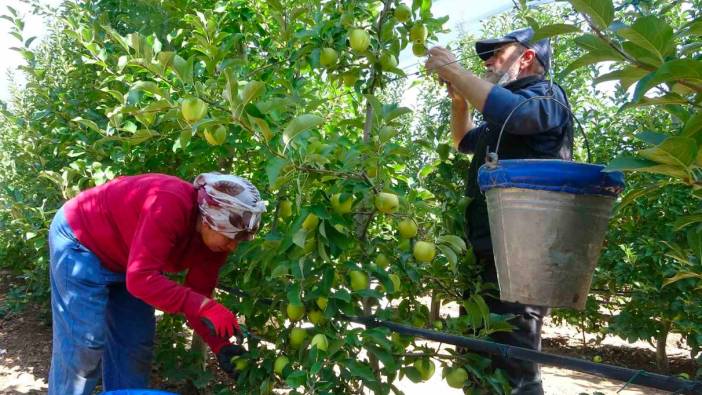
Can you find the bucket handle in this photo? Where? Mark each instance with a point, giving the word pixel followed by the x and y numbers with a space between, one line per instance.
pixel 491 158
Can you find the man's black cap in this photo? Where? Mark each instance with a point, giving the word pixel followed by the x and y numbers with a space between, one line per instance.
pixel 485 48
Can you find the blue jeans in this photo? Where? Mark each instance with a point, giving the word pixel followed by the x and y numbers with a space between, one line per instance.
pixel 96 322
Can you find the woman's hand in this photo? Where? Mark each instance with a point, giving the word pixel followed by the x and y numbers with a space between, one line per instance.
pixel 219 319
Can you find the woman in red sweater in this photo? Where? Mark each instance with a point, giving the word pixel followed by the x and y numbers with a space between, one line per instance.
pixel 109 249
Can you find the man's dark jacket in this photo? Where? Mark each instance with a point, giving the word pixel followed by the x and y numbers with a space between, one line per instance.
pixel 539 129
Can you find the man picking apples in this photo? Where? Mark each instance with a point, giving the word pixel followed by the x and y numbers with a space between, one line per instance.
pixel 515 69
pixel 109 249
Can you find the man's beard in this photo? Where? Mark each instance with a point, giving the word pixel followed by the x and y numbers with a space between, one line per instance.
pixel 502 77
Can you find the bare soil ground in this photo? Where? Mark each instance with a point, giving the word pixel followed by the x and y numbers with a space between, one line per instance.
pixel 25 354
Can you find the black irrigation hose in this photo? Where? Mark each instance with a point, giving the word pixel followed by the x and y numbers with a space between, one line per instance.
pixel 653 380
pixel 630 376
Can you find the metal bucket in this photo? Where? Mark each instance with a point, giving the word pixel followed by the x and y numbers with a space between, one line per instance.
pixel 548 219
pixel 546 244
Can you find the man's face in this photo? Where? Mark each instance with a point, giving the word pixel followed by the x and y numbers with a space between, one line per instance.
pixel 503 66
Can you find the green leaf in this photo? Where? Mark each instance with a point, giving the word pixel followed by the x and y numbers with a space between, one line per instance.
pixel 687 220
pixel 426 170
pixel 473 313
pixel 395 113
pixel 641 55
pixel 680 276
pixel 652 34
pixel 555 29
pixel 693 125
pixel 251 91
pixel 669 98
pixel 632 195
pixel 359 370
pixel 383 356
pixel 456 242
pixel 673 71
pixel 653 138
pixel 626 76
pixel 449 254
pixel 588 59
pixel 627 162
pixel 695 28
pixel 148 86
pixel 116 37
pixel 165 60
pixel 600 12
pixel 88 124
pixel 183 68
pixel 296 379
pixel 263 127
pixel 294 294
pixel 185 137
pixel 300 124
pixel 675 151
pixel 273 168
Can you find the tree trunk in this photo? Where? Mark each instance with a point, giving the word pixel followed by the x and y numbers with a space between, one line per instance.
pixel 435 308
pixel 661 356
pixel 197 345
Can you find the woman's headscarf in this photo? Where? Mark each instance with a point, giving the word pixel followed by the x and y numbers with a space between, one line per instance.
pixel 229 204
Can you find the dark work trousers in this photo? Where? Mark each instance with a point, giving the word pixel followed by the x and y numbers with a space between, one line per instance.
pixel 524 377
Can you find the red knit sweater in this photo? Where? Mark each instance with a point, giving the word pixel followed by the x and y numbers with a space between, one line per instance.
pixel 144 226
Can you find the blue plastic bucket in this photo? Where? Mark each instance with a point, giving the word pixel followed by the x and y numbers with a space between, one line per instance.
pixel 548 219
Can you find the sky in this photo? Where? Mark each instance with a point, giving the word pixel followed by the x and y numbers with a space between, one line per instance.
pixel 465 15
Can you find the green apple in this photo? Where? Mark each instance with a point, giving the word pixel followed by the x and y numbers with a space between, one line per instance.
pixel 457 377
pixel 193 109
pixel 372 171
pixel 295 312
pixel 350 78
pixel 316 317
pixel 240 363
pixel 285 209
pixel 597 359
pixel 297 337
pixel 320 341
pixel 425 367
pixel 424 251
pixel 386 133
pixel 310 223
pixel 388 61
pixel 399 340
pixel 382 261
pixel 218 137
pixel 407 228
pixel 403 13
pixel 341 207
pixel 280 363
pixel 387 202
pixel 418 49
pixel 346 19
pixel 328 57
pixel 418 33
pixel 396 283
pixel 322 302
pixel 438 325
pixel 359 280
pixel 359 40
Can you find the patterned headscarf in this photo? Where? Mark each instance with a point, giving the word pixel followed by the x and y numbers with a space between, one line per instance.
pixel 229 204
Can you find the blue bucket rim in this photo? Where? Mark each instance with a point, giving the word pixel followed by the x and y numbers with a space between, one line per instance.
pixel 552 175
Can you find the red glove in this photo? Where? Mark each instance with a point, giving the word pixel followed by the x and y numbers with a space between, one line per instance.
pixel 219 319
